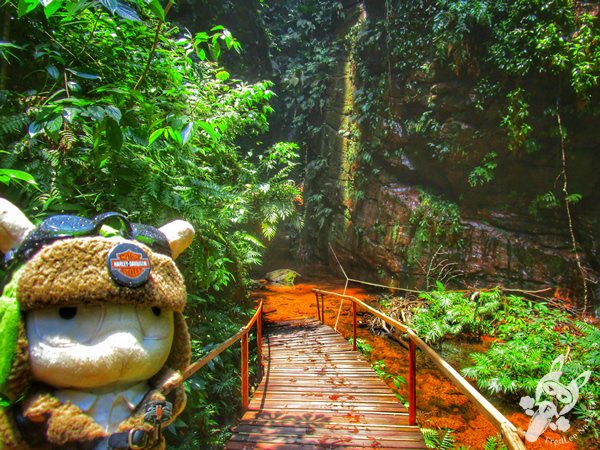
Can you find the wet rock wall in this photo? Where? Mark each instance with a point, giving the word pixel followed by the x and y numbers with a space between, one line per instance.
pixel 501 239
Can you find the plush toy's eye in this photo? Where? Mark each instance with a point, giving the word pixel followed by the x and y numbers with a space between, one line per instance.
pixel 156 311
pixel 67 312
pixel 65 326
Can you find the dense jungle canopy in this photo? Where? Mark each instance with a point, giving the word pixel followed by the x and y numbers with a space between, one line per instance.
pixel 434 144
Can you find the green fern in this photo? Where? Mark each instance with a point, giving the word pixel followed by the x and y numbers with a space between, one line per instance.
pixel 494 443
pixel 438 439
pixel 13 124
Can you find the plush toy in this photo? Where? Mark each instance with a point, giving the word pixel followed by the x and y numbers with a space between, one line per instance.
pixel 92 336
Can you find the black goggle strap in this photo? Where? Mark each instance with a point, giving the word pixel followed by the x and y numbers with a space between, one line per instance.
pixel 67 226
pixel 101 219
pixel 152 237
pixel 145 234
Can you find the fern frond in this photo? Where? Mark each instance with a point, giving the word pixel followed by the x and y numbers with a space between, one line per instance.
pixel 494 443
pixel 12 124
pixel 438 439
pixel 67 139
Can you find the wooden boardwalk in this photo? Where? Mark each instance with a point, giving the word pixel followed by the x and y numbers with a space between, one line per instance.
pixel 318 393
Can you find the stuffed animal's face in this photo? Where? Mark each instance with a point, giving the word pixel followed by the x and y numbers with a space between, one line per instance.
pixel 97 346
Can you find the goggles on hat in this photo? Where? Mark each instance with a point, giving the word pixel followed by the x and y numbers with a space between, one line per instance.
pixel 67 226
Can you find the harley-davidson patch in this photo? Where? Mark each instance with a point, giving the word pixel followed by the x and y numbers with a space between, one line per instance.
pixel 128 265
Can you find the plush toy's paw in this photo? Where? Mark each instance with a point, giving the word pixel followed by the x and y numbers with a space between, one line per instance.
pixel 170 382
pixel 138 421
pixel 69 424
pixel 39 407
pixel 65 422
pixel 166 380
pixel 179 400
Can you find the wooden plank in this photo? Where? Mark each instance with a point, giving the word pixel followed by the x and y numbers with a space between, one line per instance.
pixel 362 432
pixel 317 392
pixel 329 425
pixel 373 388
pixel 302 359
pixel 331 417
pixel 323 386
pixel 349 394
pixel 232 445
pixel 333 405
pixel 308 372
pixel 324 381
pixel 326 441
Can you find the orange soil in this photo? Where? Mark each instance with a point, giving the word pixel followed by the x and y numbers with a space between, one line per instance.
pixel 439 403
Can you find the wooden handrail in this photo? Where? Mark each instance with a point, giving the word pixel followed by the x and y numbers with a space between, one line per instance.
pixel 507 430
pixel 240 335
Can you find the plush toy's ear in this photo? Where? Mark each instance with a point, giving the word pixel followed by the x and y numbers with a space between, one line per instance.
pixel 14 226
pixel 180 235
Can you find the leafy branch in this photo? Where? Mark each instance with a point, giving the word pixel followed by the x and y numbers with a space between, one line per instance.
pixel 160 13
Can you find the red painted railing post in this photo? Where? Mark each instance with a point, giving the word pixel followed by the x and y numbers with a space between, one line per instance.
pixel 354 324
pixel 259 341
pixel 245 371
pixel 412 383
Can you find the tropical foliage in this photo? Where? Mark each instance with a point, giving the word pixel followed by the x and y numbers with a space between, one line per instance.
pixel 529 337
pixel 454 313
pixel 445 440
pixel 439 439
pixel 499 45
pixel 102 120
pixel 105 105
pixel 304 52
pixel 435 222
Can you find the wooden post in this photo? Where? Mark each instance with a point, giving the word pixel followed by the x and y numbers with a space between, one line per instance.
pixel 354 324
pixel 323 309
pixel 259 341
pixel 245 372
pixel 318 306
pixel 412 382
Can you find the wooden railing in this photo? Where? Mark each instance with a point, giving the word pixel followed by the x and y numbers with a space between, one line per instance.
pixel 507 430
pixel 243 336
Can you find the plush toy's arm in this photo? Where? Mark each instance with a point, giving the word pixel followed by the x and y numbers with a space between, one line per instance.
pixel 168 385
pixel 65 423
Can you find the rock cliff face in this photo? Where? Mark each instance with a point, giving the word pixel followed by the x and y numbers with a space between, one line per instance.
pixel 492 248
pixel 399 205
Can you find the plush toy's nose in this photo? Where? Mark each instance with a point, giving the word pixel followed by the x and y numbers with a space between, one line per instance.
pixel 120 320
pixel 143 323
